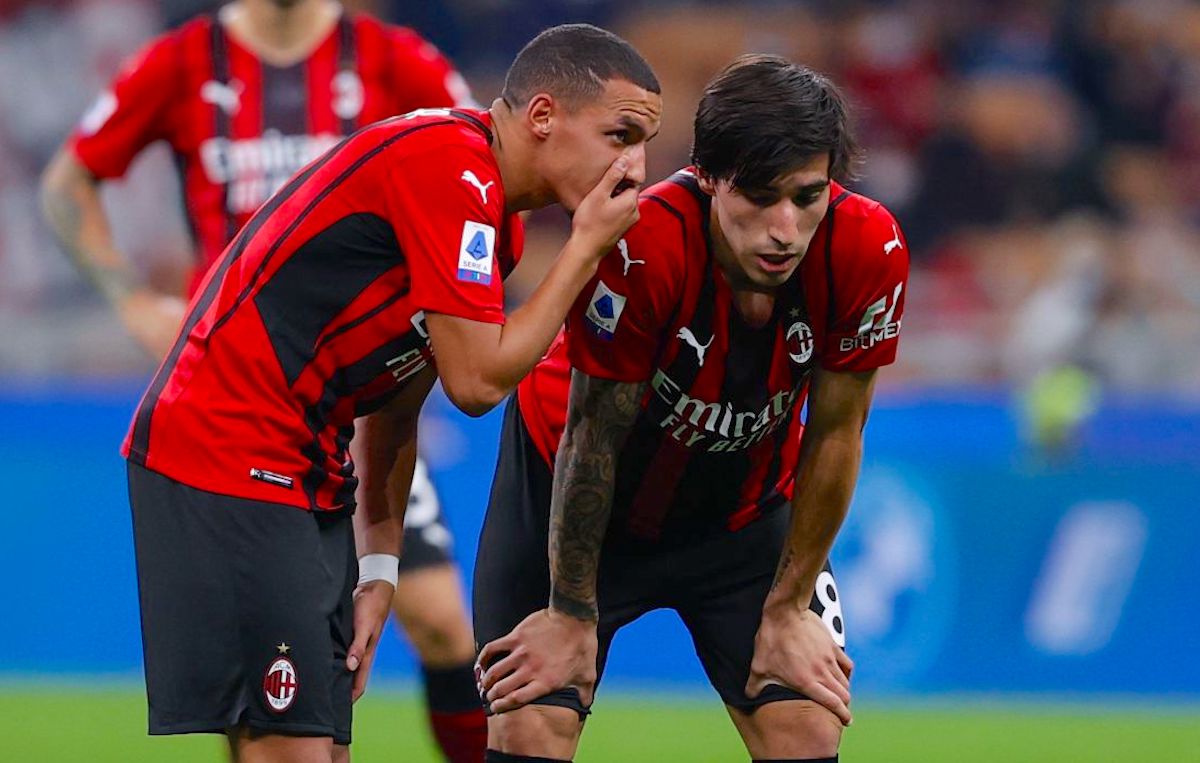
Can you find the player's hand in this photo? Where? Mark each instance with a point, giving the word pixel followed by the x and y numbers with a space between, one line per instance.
pixel 152 319
pixel 793 648
pixel 547 651
pixel 372 602
pixel 607 211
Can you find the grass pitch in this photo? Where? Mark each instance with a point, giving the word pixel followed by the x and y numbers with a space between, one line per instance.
pixel 100 724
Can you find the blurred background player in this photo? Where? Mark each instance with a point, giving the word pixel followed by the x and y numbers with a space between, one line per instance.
pixel 752 285
pixel 328 307
pixel 245 98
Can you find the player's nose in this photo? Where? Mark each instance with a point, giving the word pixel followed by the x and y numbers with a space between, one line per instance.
pixel 783 225
pixel 637 163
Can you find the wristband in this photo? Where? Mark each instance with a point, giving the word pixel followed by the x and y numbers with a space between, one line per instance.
pixel 378 567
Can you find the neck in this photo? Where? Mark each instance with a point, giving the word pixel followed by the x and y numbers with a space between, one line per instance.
pixel 753 302
pixel 515 156
pixel 281 34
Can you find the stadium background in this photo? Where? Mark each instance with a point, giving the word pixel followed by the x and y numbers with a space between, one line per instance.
pixel 1018 568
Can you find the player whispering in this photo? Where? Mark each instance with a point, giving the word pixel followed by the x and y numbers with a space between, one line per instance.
pixel 330 305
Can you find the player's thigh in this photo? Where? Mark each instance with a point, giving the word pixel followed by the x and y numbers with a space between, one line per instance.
pixel 431 608
pixel 789 729
pixel 544 731
pixel 721 597
pixel 512 572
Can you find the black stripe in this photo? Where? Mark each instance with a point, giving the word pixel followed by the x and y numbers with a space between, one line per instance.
pixel 830 313
pixel 141 433
pixel 222 126
pixel 347 59
pixel 313 286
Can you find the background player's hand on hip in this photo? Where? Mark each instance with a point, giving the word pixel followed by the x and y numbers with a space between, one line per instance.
pixel 607 211
pixel 547 651
pixel 793 648
pixel 372 603
pixel 152 319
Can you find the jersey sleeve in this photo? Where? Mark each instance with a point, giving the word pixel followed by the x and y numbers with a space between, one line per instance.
pixel 450 236
pixel 615 329
pixel 131 113
pixel 426 78
pixel 869 274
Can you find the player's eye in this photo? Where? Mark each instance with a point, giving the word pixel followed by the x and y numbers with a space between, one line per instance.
pixel 807 199
pixel 621 136
pixel 759 198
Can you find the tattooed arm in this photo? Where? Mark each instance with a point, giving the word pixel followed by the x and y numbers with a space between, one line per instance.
pixel 555 648
pixel 793 647
pixel 72 206
pixel 599 416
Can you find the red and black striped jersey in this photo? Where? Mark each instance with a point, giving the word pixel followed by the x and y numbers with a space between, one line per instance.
pixel 718 437
pixel 240 127
pixel 314 314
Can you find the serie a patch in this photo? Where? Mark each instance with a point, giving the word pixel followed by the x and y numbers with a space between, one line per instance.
pixel 475 253
pixel 604 311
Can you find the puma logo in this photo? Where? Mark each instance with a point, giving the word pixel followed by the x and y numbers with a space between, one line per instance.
pixel 470 177
pixel 687 336
pixel 623 248
pixel 894 243
pixel 228 97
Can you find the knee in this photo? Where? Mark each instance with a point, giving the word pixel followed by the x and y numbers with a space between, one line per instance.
pixel 792 729
pixel 536 730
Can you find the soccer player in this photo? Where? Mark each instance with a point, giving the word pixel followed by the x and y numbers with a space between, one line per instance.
pixel 246 99
pixel 752 284
pixel 332 303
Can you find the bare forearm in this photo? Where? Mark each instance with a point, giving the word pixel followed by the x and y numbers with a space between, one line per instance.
pixel 74 211
pixel 599 420
pixel 387 454
pixel 824 486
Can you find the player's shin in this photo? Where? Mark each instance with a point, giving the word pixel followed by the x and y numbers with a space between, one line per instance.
pixel 455 713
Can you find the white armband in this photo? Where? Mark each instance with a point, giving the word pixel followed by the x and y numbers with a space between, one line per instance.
pixel 378 567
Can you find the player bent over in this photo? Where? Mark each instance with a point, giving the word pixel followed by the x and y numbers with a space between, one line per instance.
pixel 680 473
pixel 332 303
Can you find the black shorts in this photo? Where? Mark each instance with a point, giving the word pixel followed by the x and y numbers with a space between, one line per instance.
pixel 427 538
pixel 717 584
pixel 246 611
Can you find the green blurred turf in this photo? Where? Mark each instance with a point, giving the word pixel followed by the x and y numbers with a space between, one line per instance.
pixel 99 724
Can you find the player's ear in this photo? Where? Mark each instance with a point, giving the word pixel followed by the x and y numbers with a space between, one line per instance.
pixel 706 182
pixel 539 112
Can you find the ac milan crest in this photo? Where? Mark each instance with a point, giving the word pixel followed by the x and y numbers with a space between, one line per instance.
pixel 280 684
pixel 799 342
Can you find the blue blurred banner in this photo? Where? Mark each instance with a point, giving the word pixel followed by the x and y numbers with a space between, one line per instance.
pixel 968 562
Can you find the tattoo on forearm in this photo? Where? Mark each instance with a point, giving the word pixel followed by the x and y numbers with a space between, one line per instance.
pixel 785 561
pixel 599 417
pixel 65 216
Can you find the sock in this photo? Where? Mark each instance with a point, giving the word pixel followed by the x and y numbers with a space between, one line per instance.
pixel 495 756
pixel 834 759
pixel 455 712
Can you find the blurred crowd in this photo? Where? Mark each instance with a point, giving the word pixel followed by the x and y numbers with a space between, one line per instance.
pixel 1042 155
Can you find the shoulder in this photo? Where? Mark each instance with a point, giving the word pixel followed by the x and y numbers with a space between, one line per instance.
pixel 863 228
pixel 670 222
pixel 400 40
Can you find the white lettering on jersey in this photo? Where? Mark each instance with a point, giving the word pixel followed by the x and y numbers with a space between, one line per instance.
pixel 714 426
pixel 347 94
pixel 687 336
pixel 254 168
pixel 876 324
pixel 473 179
pixel 623 248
